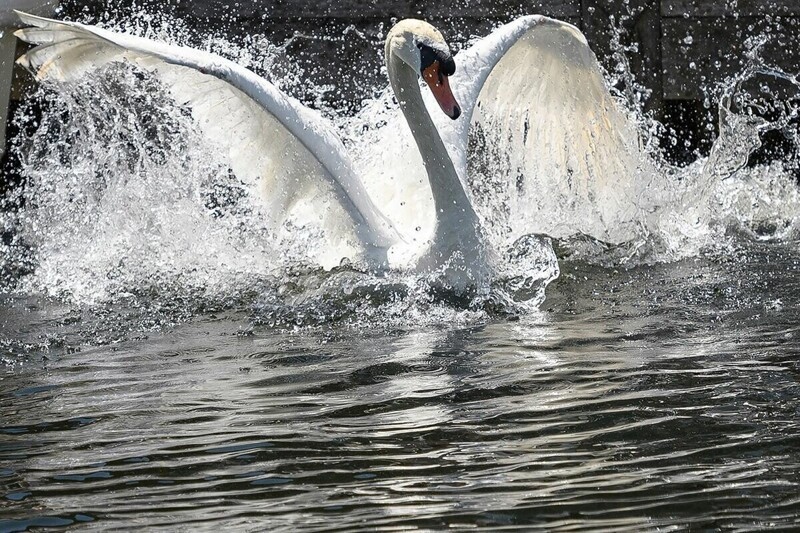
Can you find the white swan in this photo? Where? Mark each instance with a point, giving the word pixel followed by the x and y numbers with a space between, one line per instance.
pixel 534 82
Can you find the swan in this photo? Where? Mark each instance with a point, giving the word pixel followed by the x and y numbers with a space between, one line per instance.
pixel 8 47
pixel 534 82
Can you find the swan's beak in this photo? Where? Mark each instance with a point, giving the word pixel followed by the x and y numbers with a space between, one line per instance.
pixel 440 87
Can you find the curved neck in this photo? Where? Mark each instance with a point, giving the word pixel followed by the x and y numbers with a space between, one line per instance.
pixel 449 197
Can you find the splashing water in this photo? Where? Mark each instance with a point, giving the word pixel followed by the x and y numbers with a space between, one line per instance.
pixel 125 203
pixel 722 193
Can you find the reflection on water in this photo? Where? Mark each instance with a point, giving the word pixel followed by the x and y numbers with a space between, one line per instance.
pixel 655 397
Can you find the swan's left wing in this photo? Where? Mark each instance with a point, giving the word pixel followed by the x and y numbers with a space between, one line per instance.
pixel 270 139
pixel 550 148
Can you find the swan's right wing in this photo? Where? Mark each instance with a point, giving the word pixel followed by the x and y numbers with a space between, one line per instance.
pixel 558 153
pixel 272 141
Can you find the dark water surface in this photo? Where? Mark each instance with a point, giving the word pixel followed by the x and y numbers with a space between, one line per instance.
pixel 642 399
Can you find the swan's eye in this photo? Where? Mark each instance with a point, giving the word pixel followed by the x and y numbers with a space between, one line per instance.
pixel 430 54
pixel 448 66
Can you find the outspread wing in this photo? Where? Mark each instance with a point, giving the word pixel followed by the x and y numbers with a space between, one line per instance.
pixel 550 148
pixel 272 140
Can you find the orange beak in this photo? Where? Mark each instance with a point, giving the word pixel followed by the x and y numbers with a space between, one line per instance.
pixel 440 88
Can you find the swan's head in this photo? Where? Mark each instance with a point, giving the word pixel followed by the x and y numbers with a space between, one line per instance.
pixel 422 47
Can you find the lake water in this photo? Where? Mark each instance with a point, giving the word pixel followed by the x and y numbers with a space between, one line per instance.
pixel 642 399
pixel 170 362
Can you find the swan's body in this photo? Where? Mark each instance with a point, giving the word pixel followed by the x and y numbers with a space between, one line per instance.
pixel 287 150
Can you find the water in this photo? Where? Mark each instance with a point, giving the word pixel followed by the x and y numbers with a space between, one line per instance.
pixel 154 379
pixel 662 396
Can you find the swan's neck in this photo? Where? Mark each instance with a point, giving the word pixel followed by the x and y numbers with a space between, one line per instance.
pixel 454 214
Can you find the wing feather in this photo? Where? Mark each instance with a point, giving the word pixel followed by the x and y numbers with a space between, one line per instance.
pixel 272 141
pixel 570 157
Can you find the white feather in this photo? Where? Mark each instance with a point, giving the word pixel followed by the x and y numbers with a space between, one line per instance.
pixel 272 141
pixel 537 89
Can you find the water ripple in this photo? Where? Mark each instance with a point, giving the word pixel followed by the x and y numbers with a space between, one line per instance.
pixel 608 419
